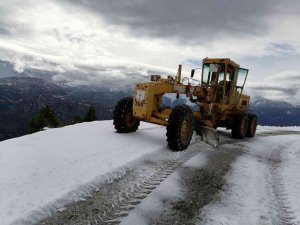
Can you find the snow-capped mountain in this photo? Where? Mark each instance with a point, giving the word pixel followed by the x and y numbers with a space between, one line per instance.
pixel 106 96
pixel 7 69
pixel 275 113
pixel 259 101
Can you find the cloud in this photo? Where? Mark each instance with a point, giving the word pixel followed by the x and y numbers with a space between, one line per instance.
pixel 190 20
pixel 284 86
pixel 287 90
pixel 4 30
pixel 117 42
pixel 113 78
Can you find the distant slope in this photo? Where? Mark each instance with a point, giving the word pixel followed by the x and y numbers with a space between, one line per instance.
pixel 275 113
pixel 7 70
pixel 22 97
pixel 106 97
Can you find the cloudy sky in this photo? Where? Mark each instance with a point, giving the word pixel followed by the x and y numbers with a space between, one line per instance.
pixel 105 42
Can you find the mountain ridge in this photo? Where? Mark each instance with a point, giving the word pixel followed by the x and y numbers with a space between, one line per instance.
pixel 275 113
pixel 21 98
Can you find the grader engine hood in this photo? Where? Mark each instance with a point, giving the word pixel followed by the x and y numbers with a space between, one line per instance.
pixel 147 97
pixel 140 101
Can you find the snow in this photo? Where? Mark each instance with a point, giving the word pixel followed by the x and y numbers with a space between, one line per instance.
pixel 170 100
pixel 263 185
pixel 274 128
pixel 38 170
pixel 41 172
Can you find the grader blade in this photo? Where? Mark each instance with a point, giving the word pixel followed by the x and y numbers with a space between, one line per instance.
pixel 208 135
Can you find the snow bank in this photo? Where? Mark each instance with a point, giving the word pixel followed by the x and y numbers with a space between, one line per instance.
pixel 36 170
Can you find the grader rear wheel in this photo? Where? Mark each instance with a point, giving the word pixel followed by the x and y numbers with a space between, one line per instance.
pixel 240 126
pixel 252 125
pixel 180 127
pixel 124 120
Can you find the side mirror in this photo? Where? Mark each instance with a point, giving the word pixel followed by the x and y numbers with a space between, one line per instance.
pixel 192 73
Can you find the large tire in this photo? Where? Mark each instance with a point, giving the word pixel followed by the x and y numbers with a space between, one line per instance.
pixel 239 126
pixel 180 127
pixel 124 120
pixel 252 125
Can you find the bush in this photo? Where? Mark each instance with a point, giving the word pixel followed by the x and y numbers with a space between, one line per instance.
pixel 76 119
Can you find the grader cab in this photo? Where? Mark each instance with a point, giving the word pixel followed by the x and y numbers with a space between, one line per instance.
pixel 215 100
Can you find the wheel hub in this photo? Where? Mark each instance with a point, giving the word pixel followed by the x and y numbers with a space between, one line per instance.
pixel 185 129
pixel 129 119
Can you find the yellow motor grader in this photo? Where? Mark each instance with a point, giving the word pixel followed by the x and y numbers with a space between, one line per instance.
pixel 216 100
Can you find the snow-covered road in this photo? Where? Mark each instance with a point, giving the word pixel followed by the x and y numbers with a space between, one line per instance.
pixel 87 174
pixel 263 186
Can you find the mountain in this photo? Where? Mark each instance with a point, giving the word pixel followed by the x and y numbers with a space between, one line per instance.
pixel 105 96
pixel 21 98
pixel 7 70
pixel 275 113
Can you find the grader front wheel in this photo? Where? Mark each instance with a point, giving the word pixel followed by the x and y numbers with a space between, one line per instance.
pixel 124 120
pixel 180 127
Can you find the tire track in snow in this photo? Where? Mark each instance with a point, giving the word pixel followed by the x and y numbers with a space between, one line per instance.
pixel 128 199
pixel 120 199
pixel 284 213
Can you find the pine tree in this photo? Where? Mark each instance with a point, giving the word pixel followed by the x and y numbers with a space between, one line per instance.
pixel 45 118
pixel 76 119
pixel 90 114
